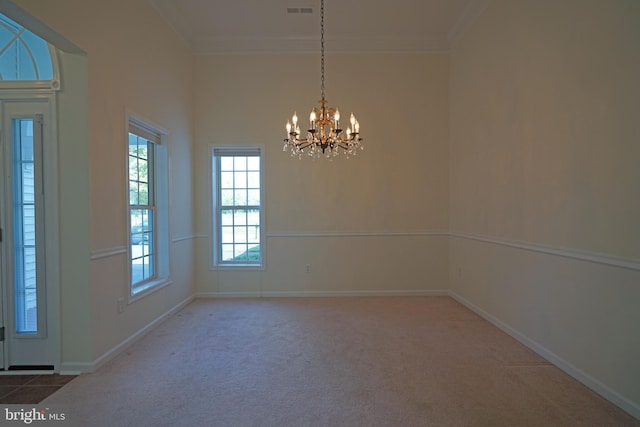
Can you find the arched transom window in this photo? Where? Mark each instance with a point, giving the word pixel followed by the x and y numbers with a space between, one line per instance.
pixel 25 56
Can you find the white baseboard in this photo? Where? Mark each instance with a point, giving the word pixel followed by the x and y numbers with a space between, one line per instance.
pixel 228 295
pixel 27 372
pixel 595 385
pixel 300 294
pixel 370 293
pixel 75 368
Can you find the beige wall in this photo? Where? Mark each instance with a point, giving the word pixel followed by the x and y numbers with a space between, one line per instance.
pixel 395 192
pixel 134 62
pixel 545 101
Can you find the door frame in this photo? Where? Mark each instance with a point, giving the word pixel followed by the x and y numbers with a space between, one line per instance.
pixel 46 99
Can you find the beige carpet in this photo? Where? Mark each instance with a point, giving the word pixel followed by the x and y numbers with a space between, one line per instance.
pixel 378 361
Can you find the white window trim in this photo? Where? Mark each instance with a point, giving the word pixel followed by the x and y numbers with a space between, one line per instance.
pixel 161 191
pixel 29 23
pixel 213 217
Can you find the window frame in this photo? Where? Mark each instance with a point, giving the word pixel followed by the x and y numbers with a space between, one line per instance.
pixel 146 209
pixel 216 261
pixel 157 202
pixel 20 226
pixel 18 30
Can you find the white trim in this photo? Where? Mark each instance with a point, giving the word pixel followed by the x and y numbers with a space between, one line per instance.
pixel 143 121
pixel 41 105
pixel 46 86
pixel 370 293
pixel 593 257
pixel 228 295
pixel 304 294
pixel 107 252
pixel 587 256
pixel 149 288
pixel 239 267
pixel 54 309
pixel 38 27
pixel 595 385
pixel 215 152
pixel 361 234
pixel 83 367
pixel 27 372
pixel 161 204
pixel 177 239
pixel 258 45
pixel 76 368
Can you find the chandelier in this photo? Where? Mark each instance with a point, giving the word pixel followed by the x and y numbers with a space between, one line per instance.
pixel 325 137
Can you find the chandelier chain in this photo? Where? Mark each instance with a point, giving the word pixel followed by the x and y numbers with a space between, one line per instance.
pixel 322 48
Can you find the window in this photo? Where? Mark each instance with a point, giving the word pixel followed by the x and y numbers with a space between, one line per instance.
pixel 148 227
pixel 24 223
pixel 25 56
pixel 237 195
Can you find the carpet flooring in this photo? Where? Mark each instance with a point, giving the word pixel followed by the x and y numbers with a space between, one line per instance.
pixel 371 361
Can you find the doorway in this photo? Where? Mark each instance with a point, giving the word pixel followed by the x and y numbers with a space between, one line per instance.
pixel 29 337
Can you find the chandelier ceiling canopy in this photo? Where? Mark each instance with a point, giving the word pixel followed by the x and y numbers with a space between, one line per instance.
pixel 325 136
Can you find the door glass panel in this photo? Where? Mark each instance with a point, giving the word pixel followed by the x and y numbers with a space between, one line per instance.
pixel 24 225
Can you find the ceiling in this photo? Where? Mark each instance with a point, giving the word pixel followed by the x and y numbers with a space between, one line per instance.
pixel 221 26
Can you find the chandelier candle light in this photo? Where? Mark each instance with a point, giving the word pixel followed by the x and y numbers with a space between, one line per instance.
pixel 325 137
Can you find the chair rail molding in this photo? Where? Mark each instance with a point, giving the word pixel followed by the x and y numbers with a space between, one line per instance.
pixel 587 256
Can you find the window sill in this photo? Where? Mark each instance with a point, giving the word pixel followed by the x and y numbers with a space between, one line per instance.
pixel 245 267
pixel 149 288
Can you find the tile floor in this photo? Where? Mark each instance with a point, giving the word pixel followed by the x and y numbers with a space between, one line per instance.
pixel 30 389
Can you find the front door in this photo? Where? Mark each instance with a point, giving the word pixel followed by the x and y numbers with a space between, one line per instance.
pixel 27 344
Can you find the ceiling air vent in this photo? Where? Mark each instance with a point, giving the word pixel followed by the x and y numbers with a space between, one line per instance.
pixel 299 10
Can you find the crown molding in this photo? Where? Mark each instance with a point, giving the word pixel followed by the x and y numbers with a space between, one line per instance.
pixel 211 45
pixel 226 45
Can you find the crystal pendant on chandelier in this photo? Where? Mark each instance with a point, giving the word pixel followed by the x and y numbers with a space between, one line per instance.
pixel 324 137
